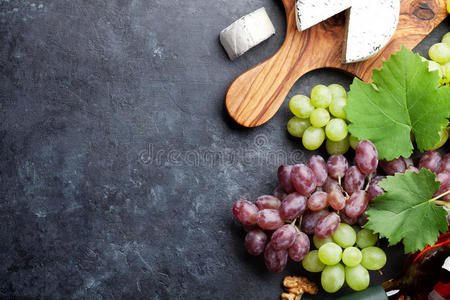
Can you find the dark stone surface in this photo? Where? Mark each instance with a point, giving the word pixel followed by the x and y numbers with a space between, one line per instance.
pixel 119 165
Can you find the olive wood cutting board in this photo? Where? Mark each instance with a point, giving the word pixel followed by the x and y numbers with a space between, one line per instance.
pixel 256 95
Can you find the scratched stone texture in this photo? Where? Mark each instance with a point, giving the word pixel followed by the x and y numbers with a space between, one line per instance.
pixel 118 163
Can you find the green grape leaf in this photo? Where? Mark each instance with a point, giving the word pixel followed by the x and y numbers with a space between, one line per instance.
pixel 405 211
pixel 404 98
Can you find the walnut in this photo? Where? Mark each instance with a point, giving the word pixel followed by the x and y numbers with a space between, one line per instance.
pixel 295 287
pixel 296 291
pixel 290 282
pixel 286 296
pixel 308 286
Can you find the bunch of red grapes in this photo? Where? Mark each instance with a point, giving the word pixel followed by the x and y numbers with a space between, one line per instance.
pixel 309 200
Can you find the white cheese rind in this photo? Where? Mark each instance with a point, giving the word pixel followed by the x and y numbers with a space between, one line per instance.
pixel 311 12
pixel 370 26
pixel 246 33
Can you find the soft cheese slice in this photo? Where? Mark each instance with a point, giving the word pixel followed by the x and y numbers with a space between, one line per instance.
pixel 246 33
pixel 311 12
pixel 370 26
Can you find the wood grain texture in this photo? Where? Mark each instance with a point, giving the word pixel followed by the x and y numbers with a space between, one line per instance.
pixel 256 95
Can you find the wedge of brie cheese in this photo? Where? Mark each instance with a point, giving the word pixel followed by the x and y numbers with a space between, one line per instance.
pixel 370 25
pixel 311 12
pixel 246 33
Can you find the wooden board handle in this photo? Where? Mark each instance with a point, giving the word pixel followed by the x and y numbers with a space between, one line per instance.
pixel 256 95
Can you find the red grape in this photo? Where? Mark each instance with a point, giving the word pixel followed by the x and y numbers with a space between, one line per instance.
pixel 346 219
pixel 327 225
pixel 255 241
pixel 303 179
pixel 408 162
pixel 245 212
pixel 275 260
pixel 413 169
pixel 300 247
pixel 284 177
pixel 330 184
pixel 362 219
pixel 356 204
pixel 374 189
pixel 336 199
pixel 320 169
pixel 394 166
pixel 310 219
pixel 337 165
pixel 366 157
pixel 269 219
pixel 354 180
pixel 292 206
pixel 283 237
pixel 280 193
pixel 445 163
pixel 317 201
pixel 267 201
pixel 444 179
pixel 431 160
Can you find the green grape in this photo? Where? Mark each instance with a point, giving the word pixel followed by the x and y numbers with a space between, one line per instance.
pixel 340 147
pixel 373 258
pixel 446 37
pixel 440 53
pixel 337 91
pixel 300 106
pixel 311 262
pixel 330 253
pixel 319 117
pixel 344 236
pixel 357 277
pixel 336 130
pixel 353 142
pixel 313 137
pixel 333 278
pixel 434 66
pixel 443 134
pixel 351 256
pixel 320 242
pixel 296 126
pixel 337 107
pixel 445 70
pixel 366 238
pixel 321 96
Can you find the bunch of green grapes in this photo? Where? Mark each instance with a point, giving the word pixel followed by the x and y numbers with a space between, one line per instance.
pixel 340 260
pixel 321 117
pixel 440 59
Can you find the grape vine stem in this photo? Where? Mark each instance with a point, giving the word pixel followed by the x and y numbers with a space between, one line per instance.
pixel 436 200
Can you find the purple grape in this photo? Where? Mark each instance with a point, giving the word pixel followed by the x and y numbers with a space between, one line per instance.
pixel 255 241
pixel 374 189
pixel 269 219
pixel 444 179
pixel 357 204
pixel 303 179
pixel 279 193
pixel 292 206
pixel 284 177
pixel 317 201
pixel 275 260
pixel 300 247
pixel 330 184
pixel 245 212
pixel 445 163
pixel 267 201
pixel 408 162
pixel 337 165
pixel 327 225
pixel 394 166
pixel 354 180
pixel 412 169
pixel 366 157
pixel 310 219
pixel 336 199
pixel 283 237
pixel 346 219
pixel 362 219
pixel 319 167
pixel 431 160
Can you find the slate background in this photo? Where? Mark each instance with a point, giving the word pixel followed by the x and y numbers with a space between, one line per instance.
pixel 118 163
